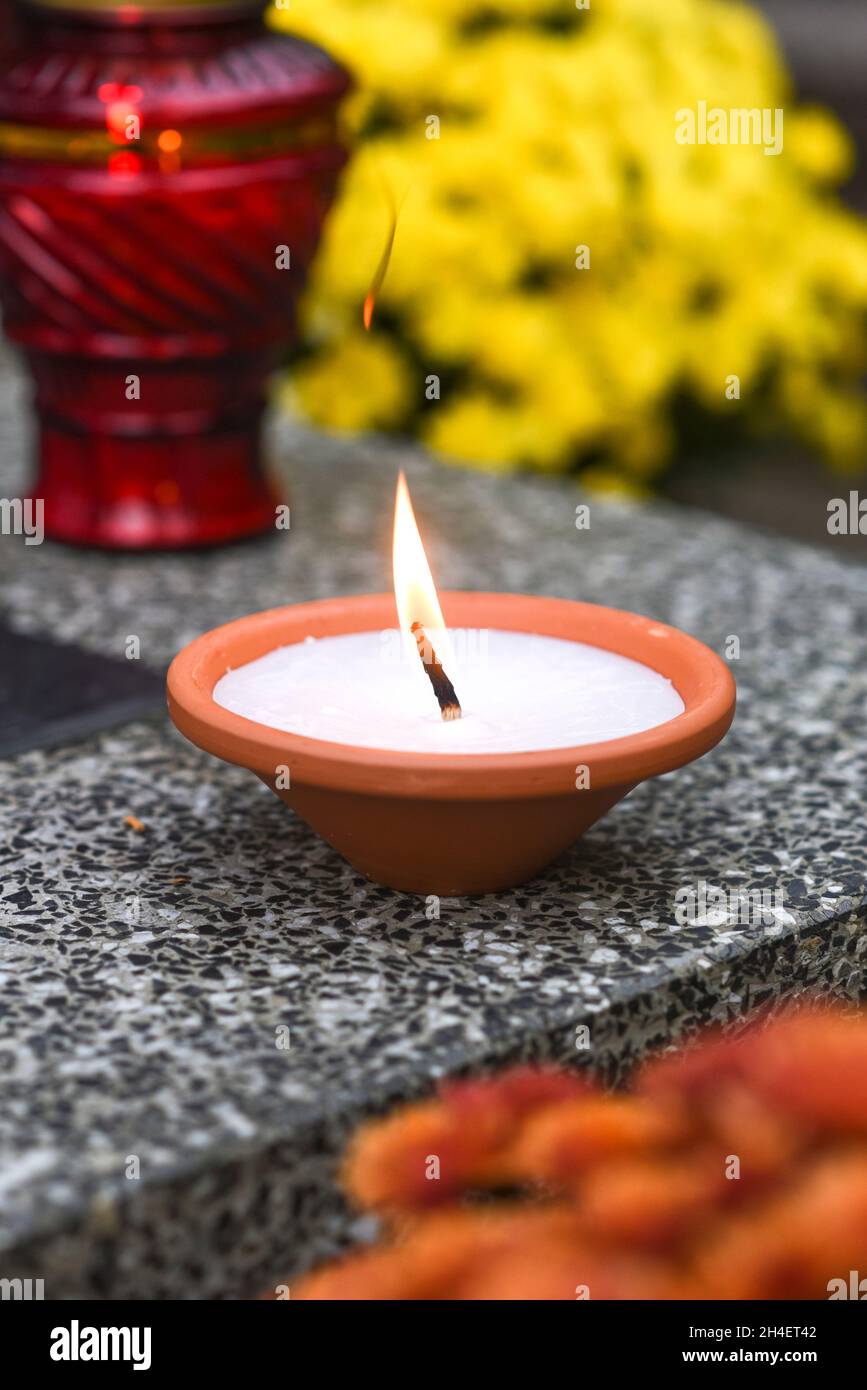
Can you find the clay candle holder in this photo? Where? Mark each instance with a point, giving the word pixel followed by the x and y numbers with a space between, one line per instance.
pixel 439 822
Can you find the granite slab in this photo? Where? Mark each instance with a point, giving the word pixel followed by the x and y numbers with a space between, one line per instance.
pixel 157 1136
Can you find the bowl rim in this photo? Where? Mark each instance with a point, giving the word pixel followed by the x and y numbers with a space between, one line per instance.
pixel 703 681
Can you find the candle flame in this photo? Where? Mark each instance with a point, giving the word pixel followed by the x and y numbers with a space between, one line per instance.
pixel 414 589
pixel 381 270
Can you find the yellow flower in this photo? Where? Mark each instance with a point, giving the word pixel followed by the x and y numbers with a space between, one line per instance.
pixel 562 262
pixel 362 383
pixel 819 145
pixel 493 434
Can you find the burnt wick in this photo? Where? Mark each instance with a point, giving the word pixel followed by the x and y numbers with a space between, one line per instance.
pixel 450 705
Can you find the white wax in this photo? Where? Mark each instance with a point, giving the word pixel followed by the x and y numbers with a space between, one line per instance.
pixel 518 692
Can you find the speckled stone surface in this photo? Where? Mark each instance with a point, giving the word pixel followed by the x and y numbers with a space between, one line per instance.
pixel 145 976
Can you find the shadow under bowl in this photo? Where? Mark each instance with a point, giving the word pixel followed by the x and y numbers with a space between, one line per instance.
pixel 452 824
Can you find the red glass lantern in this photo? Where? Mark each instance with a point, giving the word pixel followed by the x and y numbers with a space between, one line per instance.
pixel 165 170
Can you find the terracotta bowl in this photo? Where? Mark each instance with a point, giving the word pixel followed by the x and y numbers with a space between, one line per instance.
pixel 459 823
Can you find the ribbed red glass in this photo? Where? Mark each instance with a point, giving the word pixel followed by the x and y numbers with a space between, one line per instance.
pixel 152 166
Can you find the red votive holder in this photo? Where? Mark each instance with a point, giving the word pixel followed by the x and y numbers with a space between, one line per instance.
pixel 154 160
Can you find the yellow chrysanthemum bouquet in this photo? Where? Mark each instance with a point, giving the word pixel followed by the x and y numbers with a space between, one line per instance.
pixel 566 273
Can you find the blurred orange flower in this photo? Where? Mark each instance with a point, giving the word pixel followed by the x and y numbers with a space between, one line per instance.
pixel 735 1169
